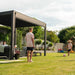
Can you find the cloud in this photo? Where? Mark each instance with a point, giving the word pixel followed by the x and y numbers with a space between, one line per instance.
pixel 57 14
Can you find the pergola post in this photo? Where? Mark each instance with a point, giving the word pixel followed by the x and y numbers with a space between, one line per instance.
pixel 12 34
pixel 15 37
pixel 45 41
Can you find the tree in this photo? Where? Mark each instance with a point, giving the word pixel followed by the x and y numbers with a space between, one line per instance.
pixel 24 30
pixel 4 33
pixel 19 39
pixel 38 32
pixel 38 41
pixel 51 36
pixel 66 34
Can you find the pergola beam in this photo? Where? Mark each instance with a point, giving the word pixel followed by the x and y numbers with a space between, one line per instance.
pixel 29 19
pixel 6 13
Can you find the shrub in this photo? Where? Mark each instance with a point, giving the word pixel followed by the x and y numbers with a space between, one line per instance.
pixel 46 42
pixel 50 44
pixel 39 41
pixel 19 39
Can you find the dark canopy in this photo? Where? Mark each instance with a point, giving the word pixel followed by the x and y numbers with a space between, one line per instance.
pixel 21 19
pixel 15 19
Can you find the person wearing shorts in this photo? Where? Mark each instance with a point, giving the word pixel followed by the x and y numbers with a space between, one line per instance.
pixel 30 44
pixel 69 46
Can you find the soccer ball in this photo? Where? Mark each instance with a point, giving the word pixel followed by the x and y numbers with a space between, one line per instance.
pixel 64 55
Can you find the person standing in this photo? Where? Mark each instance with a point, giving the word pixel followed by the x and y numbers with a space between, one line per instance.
pixel 30 44
pixel 69 46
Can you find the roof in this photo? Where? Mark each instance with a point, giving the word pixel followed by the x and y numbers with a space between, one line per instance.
pixel 20 19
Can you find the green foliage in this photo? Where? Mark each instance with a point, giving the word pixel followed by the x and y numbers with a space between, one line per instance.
pixel 50 44
pixel 19 39
pixel 51 36
pixel 46 42
pixel 24 30
pixel 38 41
pixel 66 34
pixel 5 33
pixel 38 32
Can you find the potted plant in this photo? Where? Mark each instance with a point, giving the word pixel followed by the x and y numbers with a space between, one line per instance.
pixel 50 45
pixel 37 43
pixel 17 54
pixel 46 44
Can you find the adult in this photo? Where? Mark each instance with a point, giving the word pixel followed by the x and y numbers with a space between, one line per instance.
pixel 4 43
pixel 30 44
pixel 69 46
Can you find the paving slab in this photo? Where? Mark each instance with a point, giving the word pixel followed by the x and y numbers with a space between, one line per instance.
pixel 10 61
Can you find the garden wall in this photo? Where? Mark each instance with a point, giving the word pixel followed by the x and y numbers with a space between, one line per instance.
pixel 59 46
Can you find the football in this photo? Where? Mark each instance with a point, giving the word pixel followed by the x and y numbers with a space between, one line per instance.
pixel 64 55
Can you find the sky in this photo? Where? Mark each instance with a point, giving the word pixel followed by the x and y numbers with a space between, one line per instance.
pixel 57 14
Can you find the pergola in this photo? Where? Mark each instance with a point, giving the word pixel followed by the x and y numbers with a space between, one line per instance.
pixel 15 19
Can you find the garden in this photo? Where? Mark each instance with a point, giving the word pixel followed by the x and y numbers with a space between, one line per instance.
pixel 52 64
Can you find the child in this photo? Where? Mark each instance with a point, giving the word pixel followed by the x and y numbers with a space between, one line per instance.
pixel 69 46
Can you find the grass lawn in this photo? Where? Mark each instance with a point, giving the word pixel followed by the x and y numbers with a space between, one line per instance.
pixel 52 64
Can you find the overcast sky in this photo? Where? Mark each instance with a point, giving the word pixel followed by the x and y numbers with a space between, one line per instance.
pixel 57 14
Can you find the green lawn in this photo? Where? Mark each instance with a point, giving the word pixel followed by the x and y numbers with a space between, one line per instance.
pixel 52 64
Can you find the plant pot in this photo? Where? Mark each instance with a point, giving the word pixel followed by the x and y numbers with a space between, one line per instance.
pixel 17 56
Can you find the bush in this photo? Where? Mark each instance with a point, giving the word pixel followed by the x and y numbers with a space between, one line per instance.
pixel 39 41
pixel 5 34
pixel 19 39
pixel 50 44
pixel 46 42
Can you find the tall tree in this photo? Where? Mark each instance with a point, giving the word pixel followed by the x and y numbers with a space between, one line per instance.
pixel 51 36
pixel 38 32
pixel 66 34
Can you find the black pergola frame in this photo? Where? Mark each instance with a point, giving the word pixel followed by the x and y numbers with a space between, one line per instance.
pixel 15 19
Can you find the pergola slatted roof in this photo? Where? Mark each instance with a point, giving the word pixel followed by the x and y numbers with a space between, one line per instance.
pixel 15 19
pixel 21 19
